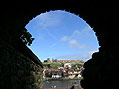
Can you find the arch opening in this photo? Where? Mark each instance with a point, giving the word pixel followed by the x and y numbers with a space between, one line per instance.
pixel 61 27
pixel 99 71
pixel 62 35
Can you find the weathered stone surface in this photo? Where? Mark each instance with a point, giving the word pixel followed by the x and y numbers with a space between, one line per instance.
pixel 101 72
pixel 18 71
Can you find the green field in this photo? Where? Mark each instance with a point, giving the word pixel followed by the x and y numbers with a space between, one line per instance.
pixel 58 64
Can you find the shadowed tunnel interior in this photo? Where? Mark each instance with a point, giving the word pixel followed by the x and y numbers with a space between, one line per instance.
pixel 101 72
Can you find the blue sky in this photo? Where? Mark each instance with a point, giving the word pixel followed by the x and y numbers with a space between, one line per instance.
pixel 62 35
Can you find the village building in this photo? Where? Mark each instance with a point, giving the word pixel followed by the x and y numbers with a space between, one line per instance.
pixel 67 65
pixel 63 60
pixel 48 60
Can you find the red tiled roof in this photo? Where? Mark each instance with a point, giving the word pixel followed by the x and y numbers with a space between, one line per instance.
pixel 60 88
pixel 57 88
pixel 64 60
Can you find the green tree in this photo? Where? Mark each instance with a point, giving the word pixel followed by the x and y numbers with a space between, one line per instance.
pixel 26 37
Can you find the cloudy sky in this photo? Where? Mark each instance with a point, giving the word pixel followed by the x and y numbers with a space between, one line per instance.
pixel 62 35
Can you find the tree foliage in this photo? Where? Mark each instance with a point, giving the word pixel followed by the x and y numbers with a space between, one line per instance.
pixel 26 37
pixel 54 60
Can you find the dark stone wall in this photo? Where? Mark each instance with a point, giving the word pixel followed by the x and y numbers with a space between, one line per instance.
pixel 101 72
pixel 19 68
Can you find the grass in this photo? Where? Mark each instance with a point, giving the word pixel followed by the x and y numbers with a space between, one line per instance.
pixel 58 64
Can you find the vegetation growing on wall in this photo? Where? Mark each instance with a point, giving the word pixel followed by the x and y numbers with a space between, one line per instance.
pixel 26 37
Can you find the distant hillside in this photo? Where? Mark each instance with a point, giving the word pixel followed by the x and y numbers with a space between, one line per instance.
pixel 79 63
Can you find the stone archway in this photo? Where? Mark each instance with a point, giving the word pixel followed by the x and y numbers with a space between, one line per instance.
pixel 100 71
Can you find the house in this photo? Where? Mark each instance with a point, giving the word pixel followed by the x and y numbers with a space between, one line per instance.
pixel 67 65
pixel 54 73
pixel 63 60
pixel 48 60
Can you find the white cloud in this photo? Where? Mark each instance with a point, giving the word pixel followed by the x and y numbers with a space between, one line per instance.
pixel 78 39
pixel 65 38
pixel 76 44
pixel 73 43
pixel 75 34
pixel 48 19
pixel 83 32
pixel 70 56
pixel 81 56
